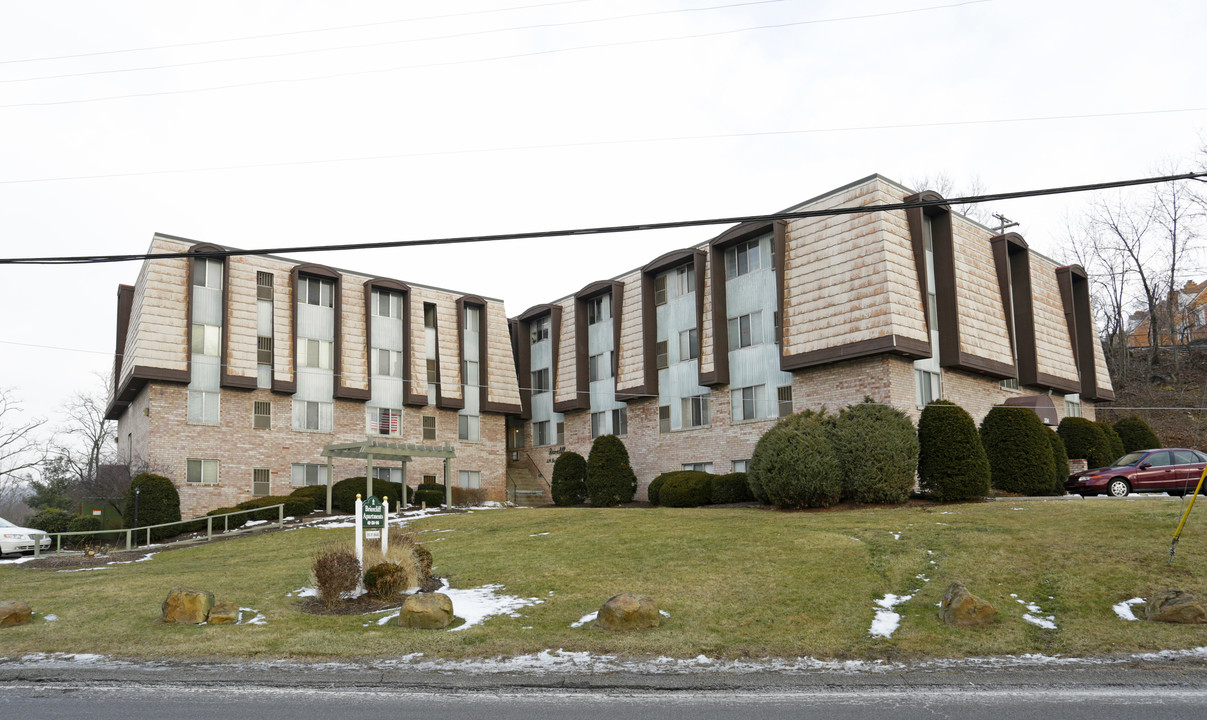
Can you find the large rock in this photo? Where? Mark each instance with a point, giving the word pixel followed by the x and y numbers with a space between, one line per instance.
pixel 1175 606
pixel 224 614
pixel 426 611
pixel 186 606
pixel 14 612
pixel 963 609
pixel 628 611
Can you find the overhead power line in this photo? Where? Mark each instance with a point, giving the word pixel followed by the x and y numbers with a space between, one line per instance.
pixel 610 229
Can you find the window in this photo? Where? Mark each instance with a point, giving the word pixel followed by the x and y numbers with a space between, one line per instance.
pixel 1073 405
pixel 1009 384
pixel 307 474
pixel 742 258
pixel 432 379
pixel 260 482
pixel 930 387
pixel 600 366
pixel 429 427
pixel 598 420
pixel 203 407
pixel 264 351
pixel 741 466
pixel 207 272
pixel 429 479
pixel 263 286
pixel 313 291
pixel 698 467
pixel 429 315
pixel 784 395
pixel 384 421
pixel 312 415
pixel 315 353
pixel 689 345
pixel 746 330
pixel 201 472
pixel 620 421
pixel 207 339
pixel 540 381
pixel 539 330
pixel 469 479
pixel 561 433
pixel 387 363
pixel 685 279
pixel 468 427
pixel 664 418
pixel 660 358
pixel 695 411
pixel 387 304
pixel 261 415
pixel 747 402
pixel 540 433
pixel 472 313
pixel 599 309
pixel 660 290
pixel 471 373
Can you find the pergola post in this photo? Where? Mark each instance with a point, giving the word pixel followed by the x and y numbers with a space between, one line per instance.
pixel 448 489
pixel 330 472
pixel 369 477
pixel 403 499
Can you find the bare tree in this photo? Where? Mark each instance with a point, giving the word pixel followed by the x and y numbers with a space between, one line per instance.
pixel 19 449
pixel 14 489
pixel 1111 281
pixel 942 183
pixel 84 450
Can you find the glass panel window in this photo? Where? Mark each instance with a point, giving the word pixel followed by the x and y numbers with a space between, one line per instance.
pixel 384 421
pixel 689 345
pixel 203 407
pixel 685 280
pixel 660 355
pixel 262 415
pixel 742 258
pixel 1073 405
pixel 784 396
pixel 471 372
pixel 598 421
pixel 472 313
pixel 315 291
pixel 746 330
pixel 599 309
pixel 429 427
pixel 307 474
pixel 539 330
pixel 387 304
pixel 387 363
pixel 540 381
pixel 620 421
pixel 929 386
pixel 664 418
pixel 468 427
pixel 315 353
pixel 660 290
pixel 429 315
pixel 312 415
pixel 207 339
pixel 201 472
pixel 207 272
pixel 1009 384
pixel 747 403
pixel 260 482
pixel 741 466
pixel 600 366
pixel 561 433
pixel 540 433
pixel 698 467
pixel 469 479
pixel 695 411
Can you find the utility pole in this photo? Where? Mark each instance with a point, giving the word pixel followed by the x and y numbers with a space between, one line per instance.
pixel 1003 223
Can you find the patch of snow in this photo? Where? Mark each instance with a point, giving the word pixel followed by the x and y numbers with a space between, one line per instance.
pixel 538 534
pixel 939 523
pixel 1034 614
pixel 887 621
pixel 383 620
pixel 256 619
pixel 589 617
pixel 1016 508
pixel 475 605
pixel 664 613
pixel 304 592
pixel 19 560
pixel 896 535
pixel 253 523
pixel 50 618
pixel 947 512
pixel 86 569
pixel 1124 609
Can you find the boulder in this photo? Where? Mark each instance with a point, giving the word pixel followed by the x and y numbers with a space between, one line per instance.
pixel 224 614
pixel 186 606
pixel 963 609
pixel 1175 606
pixel 628 611
pixel 426 611
pixel 14 612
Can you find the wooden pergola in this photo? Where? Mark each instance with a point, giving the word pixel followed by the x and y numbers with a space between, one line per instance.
pixel 370 449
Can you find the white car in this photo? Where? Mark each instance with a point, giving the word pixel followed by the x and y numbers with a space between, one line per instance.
pixel 14 539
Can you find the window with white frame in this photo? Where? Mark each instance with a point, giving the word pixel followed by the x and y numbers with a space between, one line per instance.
pixel 929 385
pixel 315 353
pixel 689 345
pixel 538 330
pixel 540 381
pixel 201 472
pixel 620 421
pixel 660 290
pixel 260 482
pixel 748 403
pixel 600 366
pixel 468 428
pixel 432 379
pixel 784 398
pixel 471 373
pixel 207 272
pixel 1009 384
pixel 384 421
pixel 695 411
pixel 1073 405
pixel 429 315
pixel 203 407
pixel 660 355
pixel 599 309
pixel 302 474
pixel 207 339
pixel 540 433
pixel 598 423
pixel 746 330
pixel 312 415
pixel 741 466
pixel 698 467
pixel 387 363
pixel 742 258
pixel 387 304
pixel 469 479
pixel 316 291
pixel 664 418
pixel 685 279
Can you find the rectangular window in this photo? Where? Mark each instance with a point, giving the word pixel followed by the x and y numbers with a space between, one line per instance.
pixel 784 396
pixel 598 421
pixel 600 366
pixel 660 355
pixel 695 411
pixel 302 474
pixel 387 304
pixel 741 466
pixel 472 313
pixel 468 427
pixel 469 479
pixel 312 415
pixel 387 363
pixel 664 418
pixel 689 345
pixel 540 433
pixel 262 415
pixel 315 291
pixel 263 286
pixel 432 379
pixel 260 482
pixel 203 407
pixel 1073 405
pixel 207 339
pixel 540 381
pixel 698 467
pixel 1009 384
pixel 201 472
pixel 685 280
pixel 660 290
pixel 929 386
pixel 620 421
pixel 599 309
pixel 429 315
pixel 264 351
pixel 746 330
pixel 748 402
pixel 429 427
pixel 561 433
pixel 471 373
pixel 429 479
pixel 207 272
pixel 539 330
pixel 315 353
pixel 384 421
pixel 742 258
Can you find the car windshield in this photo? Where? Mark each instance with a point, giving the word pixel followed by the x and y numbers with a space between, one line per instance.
pixel 5 523
pixel 1128 459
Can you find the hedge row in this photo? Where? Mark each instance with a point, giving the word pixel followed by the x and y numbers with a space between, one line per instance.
pixel 693 488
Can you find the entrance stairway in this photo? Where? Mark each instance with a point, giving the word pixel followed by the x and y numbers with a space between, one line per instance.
pixel 528 489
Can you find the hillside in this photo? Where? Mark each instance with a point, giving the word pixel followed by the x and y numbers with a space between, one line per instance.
pixel 1171 396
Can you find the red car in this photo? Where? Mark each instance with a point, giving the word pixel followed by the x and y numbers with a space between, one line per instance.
pixel 1172 470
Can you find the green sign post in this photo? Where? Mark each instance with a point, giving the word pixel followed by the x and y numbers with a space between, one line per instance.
pixel 374 513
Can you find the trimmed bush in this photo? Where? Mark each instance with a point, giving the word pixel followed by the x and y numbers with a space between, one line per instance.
pixel 83 523
pixel 1060 462
pixel 877 446
pixel 295 506
pixel 49 520
pixel 569 486
pixel 335 571
pixel 158 502
pixel 951 459
pixel 794 464
pixel 230 523
pixel 384 580
pixel 430 493
pixel 655 487
pixel 1085 440
pixel 1020 456
pixel 1113 438
pixel 686 488
pixel 344 492
pixel 1136 434
pixel 610 477
pixel 318 493
pixel 731 488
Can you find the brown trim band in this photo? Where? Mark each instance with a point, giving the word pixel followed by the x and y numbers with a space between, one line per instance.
pixel 125 307
pixel 140 375
pixel 895 344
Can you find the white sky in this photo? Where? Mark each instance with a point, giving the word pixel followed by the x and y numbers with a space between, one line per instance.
pixel 452 106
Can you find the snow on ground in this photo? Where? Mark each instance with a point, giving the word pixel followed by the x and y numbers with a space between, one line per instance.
pixel 50 618
pixel 257 617
pixel 1034 614
pixel 896 535
pixel 1124 609
pixel 86 569
pixel 589 617
pixel 538 534
pixel 887 621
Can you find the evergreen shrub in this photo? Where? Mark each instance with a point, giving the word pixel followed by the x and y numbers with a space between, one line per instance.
pixel 877 446
pixel 83 523
pixel 794 464
pixel 1060 462
pixel 686 488
pixel 430 493
pixel 230 523
pixel 952 464
pixel 1113 438
pixel 344 492
pixel 316 492
pixel 1136 434
pixel 49 520
pixel 385 579
pixel 1020 455
pixel 731 488
pixel 158 502
pixel 610 478
pixel 1085 440
pixel 295 506
pixel 569 486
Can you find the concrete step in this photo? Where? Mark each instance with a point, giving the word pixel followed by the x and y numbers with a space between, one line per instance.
pixel 529 491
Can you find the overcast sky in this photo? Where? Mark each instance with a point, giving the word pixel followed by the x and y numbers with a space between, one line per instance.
pixel 378 121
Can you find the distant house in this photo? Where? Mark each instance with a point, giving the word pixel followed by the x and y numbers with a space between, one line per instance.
pixel 1188 307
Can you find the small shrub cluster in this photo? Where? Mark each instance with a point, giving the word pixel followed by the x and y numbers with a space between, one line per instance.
pixel 405 552
pixel 877 446
pixel 610 478
pixel 1060 461
pixel 344 492
pixel 951 460
pixel 295 506
pixel 731 488
pixel 1113 439
pixel 1019 452
pixel 569 486
pixel 50 520
pixel 795 465
pixel 1084 439
pixel 158 502
pixel 385 580
pixel 685 488
pixel 430 493
pixel 468 497
pixel 1136 434
pixel 318 493
pixel 335 572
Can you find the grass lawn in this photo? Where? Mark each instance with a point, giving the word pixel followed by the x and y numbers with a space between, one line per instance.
pixel 736 582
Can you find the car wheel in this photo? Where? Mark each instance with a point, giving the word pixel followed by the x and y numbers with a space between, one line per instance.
pixel 1118 488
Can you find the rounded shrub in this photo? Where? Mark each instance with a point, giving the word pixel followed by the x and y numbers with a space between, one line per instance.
pixel 50 520
pixel 344 492
pixel 1020 456
pixel 295 506
pixel 158 502
pixel 686 488
pixel 1085 440
pixel 731 488
pixel 569 486
pixel 384 580
pixel 877 446
pixel 431 494
pixel 1060 462
pixel 83 523
pixel 230 523
pixel 794 464
pixel 1113 438
pixel 655 488
pixel 951 459
pixel 1136 434
pixel 318 493
pixel 610 477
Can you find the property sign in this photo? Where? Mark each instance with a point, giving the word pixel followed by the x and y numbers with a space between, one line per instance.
pixel 374 513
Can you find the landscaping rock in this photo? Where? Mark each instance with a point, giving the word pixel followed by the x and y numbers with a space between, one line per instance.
pixel 1175 606
pixel 963 609
pixel 224 614
pixel 14 612
pixel 426 611
pixel 186 606
pixel 628 611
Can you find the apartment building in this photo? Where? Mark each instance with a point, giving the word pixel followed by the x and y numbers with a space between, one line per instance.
pixel 233 373
pixel 693 356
